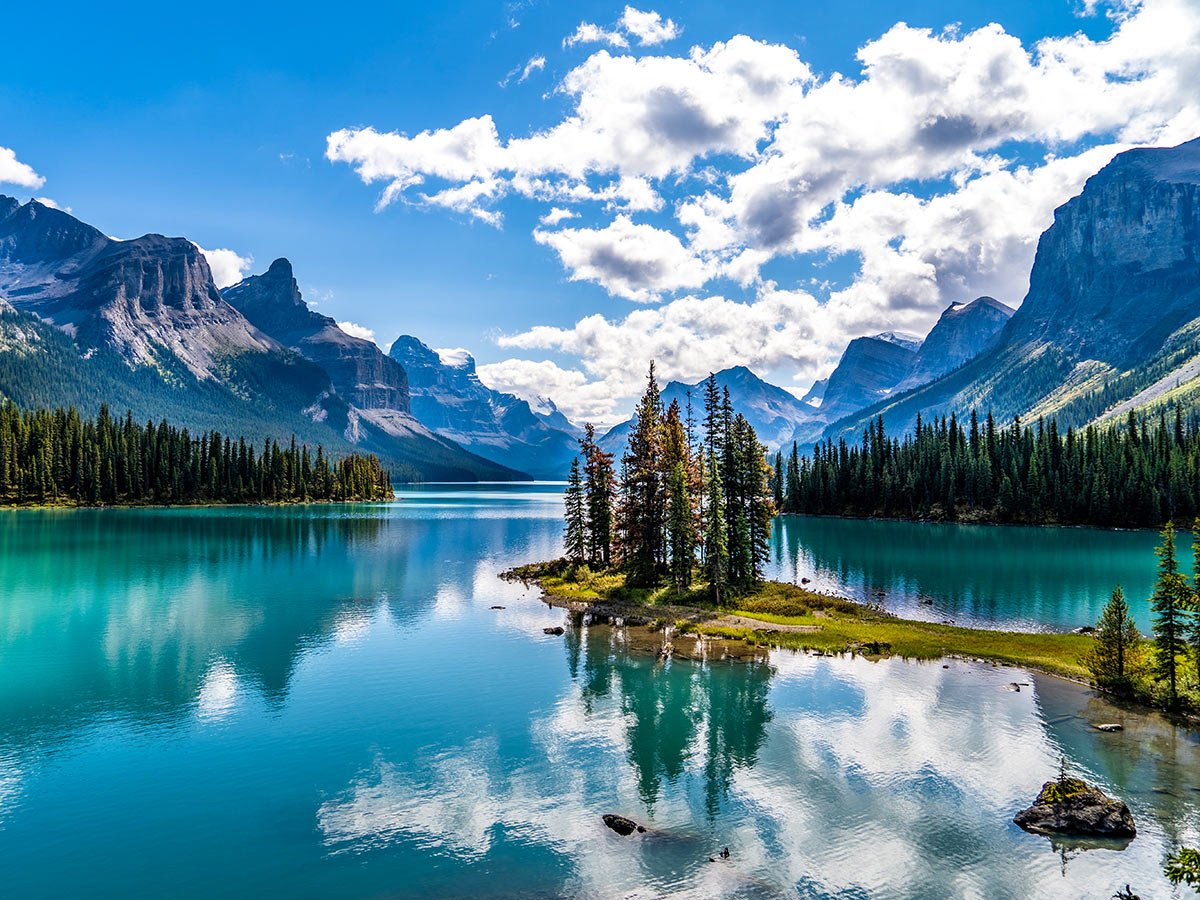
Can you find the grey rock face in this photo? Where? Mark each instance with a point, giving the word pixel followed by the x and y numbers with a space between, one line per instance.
pixel 963 332
pixel 149 299
pixel 448 397
pixel 869 370
pixel 1070 806
pixel 1119 270
pixel 1114 285
pixel 360 371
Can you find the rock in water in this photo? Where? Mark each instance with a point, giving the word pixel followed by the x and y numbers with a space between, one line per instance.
pixel 1073 807
pixel 557 629
pixel 1109 726
pixel 622 825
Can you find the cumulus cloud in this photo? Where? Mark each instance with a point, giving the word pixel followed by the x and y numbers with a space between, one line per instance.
pixel 648 27
pixel 13 171
pixel 359 331
pixel 590 33
pixel 557 216
pixel 932 165
pixel 228 266
pixel 583 399
pixel 627 259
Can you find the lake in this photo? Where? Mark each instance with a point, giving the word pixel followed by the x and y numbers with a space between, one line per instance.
pixel 321 702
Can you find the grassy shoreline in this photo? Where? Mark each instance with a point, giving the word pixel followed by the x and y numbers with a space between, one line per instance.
pixel 784 615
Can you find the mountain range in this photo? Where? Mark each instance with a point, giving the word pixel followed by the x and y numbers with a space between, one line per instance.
pixel 1111 323
pixel 87 319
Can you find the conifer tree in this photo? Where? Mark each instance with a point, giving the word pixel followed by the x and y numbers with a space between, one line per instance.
pixel 599 499
pixel 1169 603
pixel 681 537
pixel 716 543
pixel 643 491
pixel 576 530
pixel 1113 659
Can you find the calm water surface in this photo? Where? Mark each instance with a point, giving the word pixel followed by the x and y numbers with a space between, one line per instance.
pixel 321 703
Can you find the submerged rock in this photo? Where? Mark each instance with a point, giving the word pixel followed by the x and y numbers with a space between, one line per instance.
pixel 622 825
pixel 556 630
pixel 497 607
pixel 1109 726
pixel 1071 806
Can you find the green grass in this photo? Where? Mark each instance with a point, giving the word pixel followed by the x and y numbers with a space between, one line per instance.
pixel 835 624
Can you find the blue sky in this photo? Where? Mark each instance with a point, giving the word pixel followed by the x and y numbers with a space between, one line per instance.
pixel 212 122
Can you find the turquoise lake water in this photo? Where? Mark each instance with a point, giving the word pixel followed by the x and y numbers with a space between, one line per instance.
pixel 319 702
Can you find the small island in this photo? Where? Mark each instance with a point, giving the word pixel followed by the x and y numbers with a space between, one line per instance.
pixel 676 544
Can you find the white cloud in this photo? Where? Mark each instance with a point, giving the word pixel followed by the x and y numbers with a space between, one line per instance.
pixel 557 216
pixel 522 73
pixel 648 27
pixel 934 165
pixel 52 204
pixel 590 33
pixel 584 399
pixel 228 266
pixel 630 260
pixel 537 64
pixel 13 171
pixel 455 357
pixel 359 331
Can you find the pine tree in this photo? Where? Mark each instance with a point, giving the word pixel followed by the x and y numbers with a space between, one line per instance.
pixel 1169 604
pixel 681 536
pixel 576 524
pixel 642 517
pixel 1113 659
pixel 599 499
pixel 716 542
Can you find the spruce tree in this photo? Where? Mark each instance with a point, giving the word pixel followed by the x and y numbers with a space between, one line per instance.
pixel 1169 603
pixel 642 517
pixel 1113 657
pixel 716 542
pixel 575 538
pixel 681 536
pixel 599 499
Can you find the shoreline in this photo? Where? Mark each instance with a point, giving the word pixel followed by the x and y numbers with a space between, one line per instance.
pixel 204 505
pixel 705 632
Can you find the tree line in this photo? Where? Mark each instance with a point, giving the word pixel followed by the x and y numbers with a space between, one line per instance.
pixel 683 506
pixel 1138 474
pixel 57 456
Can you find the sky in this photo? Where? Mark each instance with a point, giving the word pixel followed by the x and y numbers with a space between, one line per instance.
pixel 568 190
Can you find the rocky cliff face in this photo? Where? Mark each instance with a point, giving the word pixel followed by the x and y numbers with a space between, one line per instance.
pixel 869 370
pixel 448 397
pixel 360 371
pixel 139 325
pixel 1113 309
pixel 963 332
pixel 1118 270
pixel 152 300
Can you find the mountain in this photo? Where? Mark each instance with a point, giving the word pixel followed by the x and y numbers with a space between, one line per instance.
pixel 772 411
pixel 1112 318
pixel 448 397
pixel 360 371
pixel 869 369
pixel 140 325
pixel 963 332
pixel 816 394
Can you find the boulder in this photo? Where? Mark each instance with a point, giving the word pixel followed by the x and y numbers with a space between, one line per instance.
pixel 557 629
pixel 1071 806
pixel 622 825
pixel 1109 726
